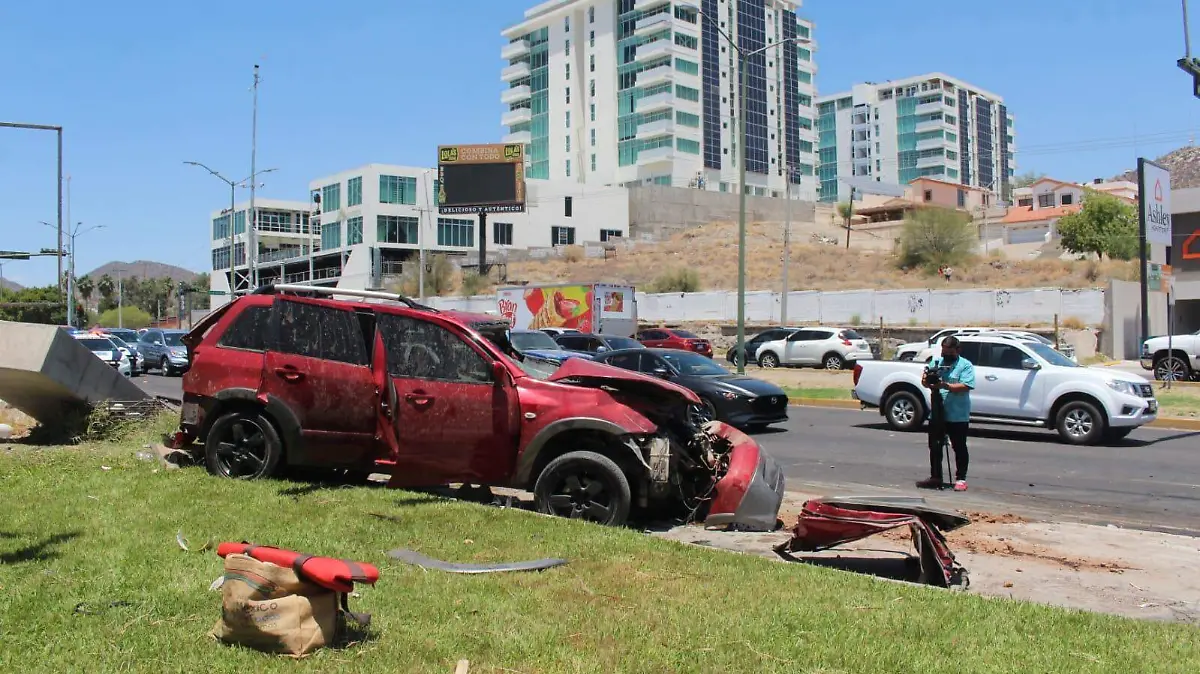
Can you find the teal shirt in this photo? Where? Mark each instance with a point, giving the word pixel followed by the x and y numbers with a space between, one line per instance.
pixel 956 405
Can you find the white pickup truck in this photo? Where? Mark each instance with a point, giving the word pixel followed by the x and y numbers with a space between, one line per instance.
pixel 1021 383
pixel 1185 364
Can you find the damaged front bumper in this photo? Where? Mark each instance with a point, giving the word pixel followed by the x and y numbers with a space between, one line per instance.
pixel 749 494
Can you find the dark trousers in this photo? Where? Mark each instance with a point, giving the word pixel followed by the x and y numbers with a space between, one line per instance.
pixel 957 432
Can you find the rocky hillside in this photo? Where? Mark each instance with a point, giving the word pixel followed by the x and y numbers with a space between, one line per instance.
pixel 1184 165
pixel 143 269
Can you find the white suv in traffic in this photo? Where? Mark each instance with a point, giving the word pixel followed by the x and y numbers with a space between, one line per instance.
pixel 830 348
pixel 1019 383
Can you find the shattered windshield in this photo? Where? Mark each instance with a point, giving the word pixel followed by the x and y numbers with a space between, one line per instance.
pixel 528 341
pixel 538 368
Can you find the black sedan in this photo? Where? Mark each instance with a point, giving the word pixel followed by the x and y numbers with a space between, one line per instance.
pixel 737 400
pixel 752 343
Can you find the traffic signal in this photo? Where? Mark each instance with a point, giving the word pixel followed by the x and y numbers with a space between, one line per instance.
pixel 1192 67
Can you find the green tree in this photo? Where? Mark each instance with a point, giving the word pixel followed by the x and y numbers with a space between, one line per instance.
pixel 106 287
pixel 126 316
pixel 844 210
pixel 439 277
pixel 1106 225
pixel 86 286
pixel 677 280
pixel 936 236
pixel 1026 179
pixel 37 305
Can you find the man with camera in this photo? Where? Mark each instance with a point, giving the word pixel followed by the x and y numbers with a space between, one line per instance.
pixel 950 378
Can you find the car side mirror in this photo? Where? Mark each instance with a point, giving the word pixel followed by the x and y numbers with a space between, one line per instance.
pixel 601 349
pixel 499 373
pixel 661 373
pixel 1030 364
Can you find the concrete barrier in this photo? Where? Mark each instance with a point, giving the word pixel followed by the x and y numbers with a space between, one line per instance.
pixel 46 373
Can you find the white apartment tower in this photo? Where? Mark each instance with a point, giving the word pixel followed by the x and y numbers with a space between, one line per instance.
pixel 930 126
pixel 627 92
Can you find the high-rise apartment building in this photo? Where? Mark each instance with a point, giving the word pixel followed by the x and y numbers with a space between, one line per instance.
pixel 625 92
pixel 931 126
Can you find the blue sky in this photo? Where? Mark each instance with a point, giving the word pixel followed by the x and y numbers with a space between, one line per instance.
pixel 143 86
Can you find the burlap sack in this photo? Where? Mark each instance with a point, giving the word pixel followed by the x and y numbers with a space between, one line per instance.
pixel 270 608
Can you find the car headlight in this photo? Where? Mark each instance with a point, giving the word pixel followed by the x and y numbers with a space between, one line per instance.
pixel 1126 387
pixel 729 395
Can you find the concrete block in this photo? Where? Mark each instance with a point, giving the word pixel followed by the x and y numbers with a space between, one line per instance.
pixel 45 373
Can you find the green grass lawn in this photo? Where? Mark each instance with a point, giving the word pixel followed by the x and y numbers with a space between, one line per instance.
pixel 1179 402
pixel 818 393
pixel 73 532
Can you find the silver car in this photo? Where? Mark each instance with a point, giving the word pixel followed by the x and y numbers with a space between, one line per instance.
pixel 163 350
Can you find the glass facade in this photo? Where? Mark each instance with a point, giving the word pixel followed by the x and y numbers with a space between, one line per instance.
pixel 688 67
pixel 752 37
pixel 688 146
pixel 827 154
pixel 239 222
pixel 221 227
pixel 628 90
pixel 984 149
pixel 538 152
pixel 710 85
pixel 1005 154
pixel 331 235
pixel 791 96
pixel 964 136
pixel 354 192
pixel 331 197
pixel 354 231
pixel 455 232
pixel 396 229
pixel 906 139
pixel 397 190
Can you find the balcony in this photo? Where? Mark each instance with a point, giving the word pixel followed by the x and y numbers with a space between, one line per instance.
pixel 514 94
pixel 932 143
pixel 657 156
pixel 662 127
pixel 926 108
pixel 658 75
pixel 663 101
pixel 515 72
pixel 518 116
pixel 522 137
pixel 936 160
pixel 643 5
pixel 651 24
pixel 931 125
pixel 514 50
pixel 654 50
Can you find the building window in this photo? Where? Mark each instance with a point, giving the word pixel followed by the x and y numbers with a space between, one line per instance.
pixel 396 229
pixel 221 227
pixel 592 88
pixel 502 233
pixel 1068 199
pixel 687 93
pixel 684 40
pixel 354 231
pixel 928 195
pixel 568 95
pixel 566 24
pixel 568 205
pixel 568 67
pixel 354 192
pixel 239 222
pixel 331 197
pixel 962 198
pixel 568 168
pixel 1046 200
pixel 331 235
pixel 804 54
pixel 568 119
pixel 687 119
pixel 593 163
pixel 606 234
pixel 591 15
pixel 593 133
pixel 1025 201
pixel 397 190
pixel 562 236
pixel 688 146
pixel 568 144
pixel 687 67
pixel 567 47
pixel 593 108
pixel 591 38
pixel 268 221
pixel 455 232
pixel 592 63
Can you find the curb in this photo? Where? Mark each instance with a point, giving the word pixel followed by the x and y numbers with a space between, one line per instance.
pixel 1175 423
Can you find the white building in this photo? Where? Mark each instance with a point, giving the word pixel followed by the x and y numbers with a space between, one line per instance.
pixel 932 126
pixel 283 233
pixel 622 92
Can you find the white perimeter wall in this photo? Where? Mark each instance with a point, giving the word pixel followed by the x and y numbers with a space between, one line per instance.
pixel 894 307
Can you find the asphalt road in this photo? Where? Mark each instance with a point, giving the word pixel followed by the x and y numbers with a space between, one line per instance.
pixel 1150 480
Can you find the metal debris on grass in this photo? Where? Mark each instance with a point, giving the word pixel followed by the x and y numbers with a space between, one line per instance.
pixel 186 546
pixel 417 559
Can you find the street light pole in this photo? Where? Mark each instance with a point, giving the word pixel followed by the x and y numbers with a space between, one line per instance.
pixel 233 185
pixel 59 131
pixel 787 255
pixel 252 225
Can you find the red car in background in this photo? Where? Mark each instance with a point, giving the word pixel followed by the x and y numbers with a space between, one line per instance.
pixel 662 338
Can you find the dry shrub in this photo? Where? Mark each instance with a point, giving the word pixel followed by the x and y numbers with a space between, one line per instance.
pixel 678 280
pixel 474 284
pixel 1072 323
pixel 573 254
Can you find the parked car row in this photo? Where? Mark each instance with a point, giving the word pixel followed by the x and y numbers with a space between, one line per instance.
pixel 923 352
pixel 142 350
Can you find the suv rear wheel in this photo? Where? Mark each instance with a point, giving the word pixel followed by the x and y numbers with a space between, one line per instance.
pixel 768 361
pixel 905 411
pixel 1080 423
pixel 584 485
pixel 1173 368
pixel 834 362
pixel 242 445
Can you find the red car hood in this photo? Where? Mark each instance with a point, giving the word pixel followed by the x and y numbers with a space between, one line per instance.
pixel 590 373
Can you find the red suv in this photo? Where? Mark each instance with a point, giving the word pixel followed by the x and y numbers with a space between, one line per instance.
pixel 661 338
pixel 290 376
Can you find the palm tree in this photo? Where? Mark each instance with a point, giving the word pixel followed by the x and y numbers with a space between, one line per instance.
pixel 85 286
pixel 107 287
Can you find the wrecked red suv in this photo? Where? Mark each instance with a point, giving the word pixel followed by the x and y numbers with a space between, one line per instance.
pixel 290 376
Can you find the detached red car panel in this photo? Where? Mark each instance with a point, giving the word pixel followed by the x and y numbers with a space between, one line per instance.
pixel 287 377
pixel 662 338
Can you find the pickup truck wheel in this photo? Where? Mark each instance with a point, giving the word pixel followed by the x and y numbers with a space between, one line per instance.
pixel 242 446
pixel 905 411
pixel 907 357
pixel 768 361
pixel 834 362
pixel 1080 423
pixel 584 485
pixel 1173 368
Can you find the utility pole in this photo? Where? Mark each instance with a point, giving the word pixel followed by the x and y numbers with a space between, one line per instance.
pixel 427 212
pixel 252 225
pixel 312 237
pixel 59 131
pixel 787 253
pixel 849 216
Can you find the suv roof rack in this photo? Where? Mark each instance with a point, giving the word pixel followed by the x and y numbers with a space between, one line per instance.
pixel 302 289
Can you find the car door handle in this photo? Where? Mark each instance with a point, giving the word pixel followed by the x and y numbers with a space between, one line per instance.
pixel 991 377
pixel 419 399
pixel 289 373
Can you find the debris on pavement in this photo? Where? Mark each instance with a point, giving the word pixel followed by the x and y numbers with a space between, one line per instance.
pixel 827 523
pixel 417 559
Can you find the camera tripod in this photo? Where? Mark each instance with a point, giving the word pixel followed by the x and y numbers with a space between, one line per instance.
pixel 938 416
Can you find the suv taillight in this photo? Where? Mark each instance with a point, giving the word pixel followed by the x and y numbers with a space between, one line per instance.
pixel 847 342
pixel 857 372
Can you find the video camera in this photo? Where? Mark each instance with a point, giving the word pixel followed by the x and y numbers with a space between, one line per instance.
pixel 933 377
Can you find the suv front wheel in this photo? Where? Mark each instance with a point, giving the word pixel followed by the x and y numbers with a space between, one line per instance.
pixel 242 445
pixel 584 485
pixel 1080 423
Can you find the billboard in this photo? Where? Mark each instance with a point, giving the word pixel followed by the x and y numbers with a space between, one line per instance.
pixel 534 308
pixel 481 178
pixel 1154 186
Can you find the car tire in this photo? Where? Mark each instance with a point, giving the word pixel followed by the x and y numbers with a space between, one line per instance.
pixel 1163 365
pixel 768 361
pixel 1116 434
pixel 164 365
pixel 833 361
pixel 904 411
pixel 907 357
pixel 243 445
pixel 1080 423
pixel 710 410
pixel 584 485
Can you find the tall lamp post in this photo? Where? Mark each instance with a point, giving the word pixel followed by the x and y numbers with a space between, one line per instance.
pixel 74 232
pixel 59 131
pixel 743 57
pixel 233 185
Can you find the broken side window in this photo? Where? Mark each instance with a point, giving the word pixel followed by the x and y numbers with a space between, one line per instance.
pixel 420 350
pixel 321 332
pixel 249 330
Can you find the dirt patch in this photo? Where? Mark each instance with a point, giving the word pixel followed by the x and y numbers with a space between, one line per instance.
pixel 22 424
pixel 982 541
pixel 995 518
